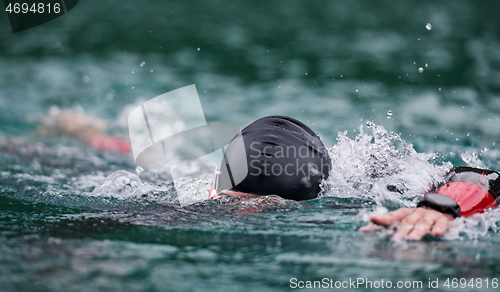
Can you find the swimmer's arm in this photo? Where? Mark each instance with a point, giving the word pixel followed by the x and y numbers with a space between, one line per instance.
pixel 89 129
pixel 413 223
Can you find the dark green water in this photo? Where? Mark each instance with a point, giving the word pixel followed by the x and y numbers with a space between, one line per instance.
pixel 333 64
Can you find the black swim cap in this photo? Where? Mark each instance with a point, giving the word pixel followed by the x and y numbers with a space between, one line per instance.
pixel 284 157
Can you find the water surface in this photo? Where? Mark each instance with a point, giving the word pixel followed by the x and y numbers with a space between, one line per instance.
pixel 401 91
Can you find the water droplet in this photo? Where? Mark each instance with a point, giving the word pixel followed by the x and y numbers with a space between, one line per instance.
pixel 439 89
pixel 420 70
pixel 85 79
pixel 142 64
pixel 426 65
pixel 151 71
pixel 389 114
pixel 139 170
pixel 199 49
pixel 428 26
pixel 357 90
pixel 306 73
pixel 133 87
pixel 133 72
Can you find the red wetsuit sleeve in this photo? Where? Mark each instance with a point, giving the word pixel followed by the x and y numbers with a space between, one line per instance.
pixel 470 197
pixel 472 189
pixel 109 144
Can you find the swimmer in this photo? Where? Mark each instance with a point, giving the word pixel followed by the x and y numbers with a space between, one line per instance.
pixel 88 129
pixel 286 158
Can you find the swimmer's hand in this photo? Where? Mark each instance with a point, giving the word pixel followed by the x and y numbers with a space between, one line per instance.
pixel 412 223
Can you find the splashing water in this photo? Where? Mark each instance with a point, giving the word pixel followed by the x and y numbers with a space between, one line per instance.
pixel 122 185
pixel 374 167
pixel 475 226
pixel 381 166
pixel 472 159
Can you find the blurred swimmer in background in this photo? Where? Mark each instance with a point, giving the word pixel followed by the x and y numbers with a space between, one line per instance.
pixel 89 129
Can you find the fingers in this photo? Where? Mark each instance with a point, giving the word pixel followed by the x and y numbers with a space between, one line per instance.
pixel 442 225
pixel 371 227
pixel 413 224
pixel 391 218
pixel 421 222
pixel 386 219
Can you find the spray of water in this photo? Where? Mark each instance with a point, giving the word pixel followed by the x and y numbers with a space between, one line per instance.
pixel 375 166
pixel 381 166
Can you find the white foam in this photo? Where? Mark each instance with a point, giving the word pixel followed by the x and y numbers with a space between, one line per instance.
pixel 381 166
